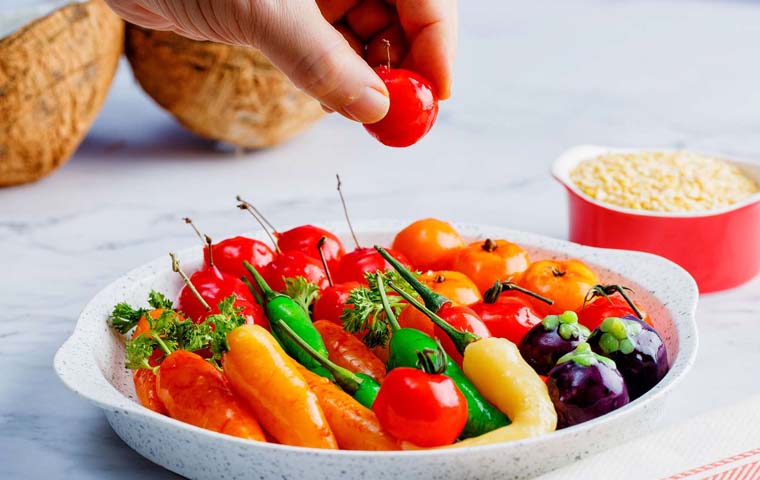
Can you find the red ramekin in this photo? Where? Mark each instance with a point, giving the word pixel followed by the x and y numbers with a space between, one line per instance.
pixel 719 248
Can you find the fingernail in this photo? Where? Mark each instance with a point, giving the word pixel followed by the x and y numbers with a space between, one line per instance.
pixel 327 109
pixel 371 106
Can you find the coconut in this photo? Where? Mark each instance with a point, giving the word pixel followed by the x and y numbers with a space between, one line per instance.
pixel 55 72
pixel 221 92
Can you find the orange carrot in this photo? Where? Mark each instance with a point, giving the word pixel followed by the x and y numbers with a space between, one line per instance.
pixel 195 392
pixel 144 379
pixel 269 382
pixel 355 426
pixel 348 351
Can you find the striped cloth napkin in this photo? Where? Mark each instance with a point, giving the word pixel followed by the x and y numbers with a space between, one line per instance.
pixel 720 445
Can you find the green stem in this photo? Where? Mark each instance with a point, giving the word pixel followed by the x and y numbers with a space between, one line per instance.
pixel 433 300
pixel 389 315
pixel 254 292
pixel 345 378
pixel 460 339
pixel 176 268
pixel 621 290
pixel 161 343
pixel 492 294
pixel 269 294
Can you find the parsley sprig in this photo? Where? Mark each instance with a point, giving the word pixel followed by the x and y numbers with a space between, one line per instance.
pixel 365 313
pixel 302 291
pixel 170 332
pixel 124 317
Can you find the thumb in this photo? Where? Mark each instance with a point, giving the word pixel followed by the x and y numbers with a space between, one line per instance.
pixel 316 57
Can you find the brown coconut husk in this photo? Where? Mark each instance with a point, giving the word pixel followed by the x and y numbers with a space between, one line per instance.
pixel 221 92
pixel 54 76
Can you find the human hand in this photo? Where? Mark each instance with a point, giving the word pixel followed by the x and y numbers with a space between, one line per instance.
pixel 327 47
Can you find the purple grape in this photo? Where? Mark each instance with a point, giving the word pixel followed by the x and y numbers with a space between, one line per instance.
pixel 585 385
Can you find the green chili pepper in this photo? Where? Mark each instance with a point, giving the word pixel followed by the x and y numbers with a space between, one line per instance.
pixel 433 300
pixel 360 386
pixel 282 309
pixel 482 417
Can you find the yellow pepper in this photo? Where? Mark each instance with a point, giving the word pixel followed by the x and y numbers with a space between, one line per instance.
pixel 499 372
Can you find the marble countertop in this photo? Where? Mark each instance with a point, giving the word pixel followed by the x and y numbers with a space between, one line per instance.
pixel 533 78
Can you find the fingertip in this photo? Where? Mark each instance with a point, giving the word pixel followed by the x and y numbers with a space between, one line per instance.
pixel 370 106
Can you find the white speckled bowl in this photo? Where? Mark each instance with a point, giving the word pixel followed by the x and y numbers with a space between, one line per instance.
pixel 91 364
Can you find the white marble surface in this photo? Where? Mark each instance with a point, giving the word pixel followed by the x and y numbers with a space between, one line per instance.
pixel 532 79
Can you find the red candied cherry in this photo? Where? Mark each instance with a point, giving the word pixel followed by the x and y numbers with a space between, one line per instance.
pixel 413 107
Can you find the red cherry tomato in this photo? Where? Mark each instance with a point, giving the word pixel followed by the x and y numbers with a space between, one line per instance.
pixel 510 317
pixel 332 302
pixel 425 409
pixel 413 108
pixel 291 265
pixel 213 286
pixel 304 239
pixel 354 265
pixel 230 253
pixel 594 312
pixel 463 319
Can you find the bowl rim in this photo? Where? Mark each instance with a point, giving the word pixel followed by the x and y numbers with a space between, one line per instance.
pixel 571 157
pixel 76 366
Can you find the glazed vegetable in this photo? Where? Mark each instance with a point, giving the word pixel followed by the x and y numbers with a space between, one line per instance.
pixel 305 239
pixel 482 417
pixel 488 260
pixel 349 352
pixel 355 426
pixel 636 348
pixel 422 406
pixel 507 316
pixel 498 371
pixel 362 387
pixel 461 327
pixel 430 244
pixel 584 386
pixel 280 307
pixel 268 381
pixel 554 337
pixel 145 388
pixel 600 304
pixel 195 392
pixel 565 281
pixel 457 321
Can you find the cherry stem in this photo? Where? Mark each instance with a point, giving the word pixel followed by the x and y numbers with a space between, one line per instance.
pixel 345 378
pixel 265 225
pixel 492 294
pixel 389 315
pixel 320 245
pixel 387 44
pixel 345 212
pixel 209 243
pixel 176 268
pixel 459 338
pixel 204 238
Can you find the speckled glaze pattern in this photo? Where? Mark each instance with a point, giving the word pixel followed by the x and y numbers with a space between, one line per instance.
pixel 91 364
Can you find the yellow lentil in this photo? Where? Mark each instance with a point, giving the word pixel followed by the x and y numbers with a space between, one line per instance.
pixel 663 181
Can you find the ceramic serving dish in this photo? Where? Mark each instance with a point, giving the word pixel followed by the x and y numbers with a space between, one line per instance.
pixel 718 247
pixel 91 363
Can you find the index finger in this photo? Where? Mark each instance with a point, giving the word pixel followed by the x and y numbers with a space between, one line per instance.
pixel 431 29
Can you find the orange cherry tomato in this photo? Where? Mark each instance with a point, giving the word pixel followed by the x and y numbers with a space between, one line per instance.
pixel 430 244
pixel 490 260
pixel 455 286
pixel 565 281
